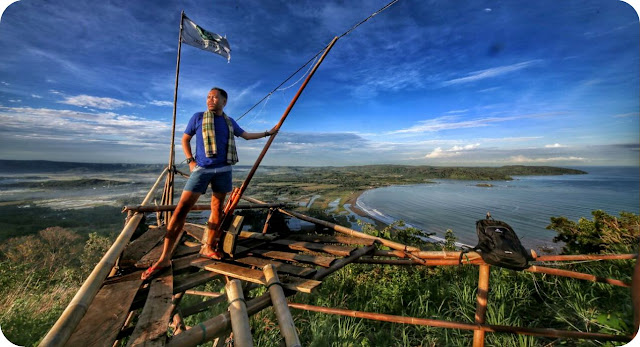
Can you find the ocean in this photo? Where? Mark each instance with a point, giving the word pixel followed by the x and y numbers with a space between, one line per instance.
pixel 526 203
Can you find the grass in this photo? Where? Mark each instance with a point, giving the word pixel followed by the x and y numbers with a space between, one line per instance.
pixel 36 284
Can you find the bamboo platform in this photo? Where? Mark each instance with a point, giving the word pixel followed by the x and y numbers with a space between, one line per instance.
pixel 154 304
pixel 129 312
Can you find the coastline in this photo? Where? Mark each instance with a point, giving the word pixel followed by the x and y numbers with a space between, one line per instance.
pixel 352 201
pixel 382 221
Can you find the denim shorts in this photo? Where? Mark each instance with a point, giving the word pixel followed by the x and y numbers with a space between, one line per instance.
pixel 219 178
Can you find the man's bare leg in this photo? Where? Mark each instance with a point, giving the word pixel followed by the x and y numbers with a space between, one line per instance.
pixel 187 200
pixel 212 231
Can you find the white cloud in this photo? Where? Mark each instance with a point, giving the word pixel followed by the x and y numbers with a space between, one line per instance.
pixel 94 101
pixel 161 103
pixel 555 145
pixel 81 127
pixel 35 96
pixel 453 122
pixel 465 148
pixel 523 159
pixel 452 152
pixel 490 73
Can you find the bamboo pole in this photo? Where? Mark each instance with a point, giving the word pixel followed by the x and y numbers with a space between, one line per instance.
pixel 202 293
pixel 285 321
pixel 267 220
pixel 463 326
pixel 468 257
pixel 238 312
pixel 237 193
pixel 635 295
pixel 66 324
pixel 201 306
pixel 172 151
pixel 574 257
pixel 175 312
pixel 578 275
pixel 481 306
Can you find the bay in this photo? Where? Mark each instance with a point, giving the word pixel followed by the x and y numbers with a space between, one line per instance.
pixel 527 202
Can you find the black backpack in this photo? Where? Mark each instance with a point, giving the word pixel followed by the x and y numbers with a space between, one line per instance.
pixel 499 245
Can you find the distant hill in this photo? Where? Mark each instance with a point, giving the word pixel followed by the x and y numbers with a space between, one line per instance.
pixel 464 172
pixel 406 171
pixel 45 166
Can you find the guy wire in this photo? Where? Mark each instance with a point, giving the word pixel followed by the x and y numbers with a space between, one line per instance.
pixel 316 55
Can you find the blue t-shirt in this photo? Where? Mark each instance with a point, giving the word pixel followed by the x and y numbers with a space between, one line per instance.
pixel 194 127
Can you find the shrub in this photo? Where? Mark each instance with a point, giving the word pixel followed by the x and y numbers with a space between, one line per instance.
pixel 605 233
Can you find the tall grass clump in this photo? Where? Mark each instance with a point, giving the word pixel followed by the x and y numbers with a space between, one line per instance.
pixel 39 275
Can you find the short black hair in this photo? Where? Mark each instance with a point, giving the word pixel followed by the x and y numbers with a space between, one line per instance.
pixel 221 91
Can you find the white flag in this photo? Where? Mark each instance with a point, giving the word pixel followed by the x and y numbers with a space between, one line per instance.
pixel 196 36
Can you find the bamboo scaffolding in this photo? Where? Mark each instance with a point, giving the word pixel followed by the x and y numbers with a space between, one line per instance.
pixel 577 275
pixel 238 312
pixel 64 326
pixel 202 306
pixel 201 293
pixel 220 324
pixel 635 295
pixel 574 257
pixel 279 300
pixel 481 305
pixel 463 326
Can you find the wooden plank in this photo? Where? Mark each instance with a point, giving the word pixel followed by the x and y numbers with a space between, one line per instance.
pixel 155 254
pixel 342 251
pixel 231 236
pixel 183 263
pixel 345 240
pixel 305 258
pixel 182 284
pixel 141 246
pixel 183 250
pixel 281 267
pixel 195 230
pixel 256 276
pixel 258 236
pixel 107 313
pixel 151 329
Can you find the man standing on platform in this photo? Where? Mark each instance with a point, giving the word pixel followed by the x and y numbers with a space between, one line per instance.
pixel 215 153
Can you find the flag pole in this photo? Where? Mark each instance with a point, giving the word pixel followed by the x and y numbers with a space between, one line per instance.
pixel 232 202
pixel 169 184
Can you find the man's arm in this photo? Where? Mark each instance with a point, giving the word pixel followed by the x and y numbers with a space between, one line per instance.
pixel 254 136
pixel 186 148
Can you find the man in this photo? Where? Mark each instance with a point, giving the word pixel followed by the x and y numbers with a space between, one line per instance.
pixel 215 153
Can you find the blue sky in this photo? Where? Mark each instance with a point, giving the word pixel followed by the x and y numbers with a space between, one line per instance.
pixel 423 83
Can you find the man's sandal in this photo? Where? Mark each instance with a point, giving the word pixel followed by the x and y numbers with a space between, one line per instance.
pixel 215 255
pixel 153 271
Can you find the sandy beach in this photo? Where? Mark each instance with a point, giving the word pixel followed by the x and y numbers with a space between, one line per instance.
pixel 353 206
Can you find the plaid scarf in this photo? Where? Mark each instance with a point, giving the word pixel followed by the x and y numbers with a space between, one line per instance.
pixel 209 138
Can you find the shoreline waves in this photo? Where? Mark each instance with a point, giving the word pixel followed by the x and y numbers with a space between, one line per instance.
pixel 384 220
